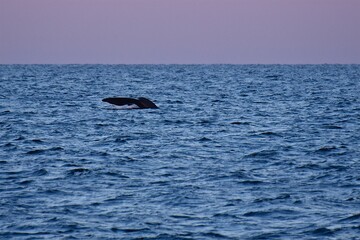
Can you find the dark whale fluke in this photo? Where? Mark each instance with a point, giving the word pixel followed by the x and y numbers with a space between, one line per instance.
pixel 140 102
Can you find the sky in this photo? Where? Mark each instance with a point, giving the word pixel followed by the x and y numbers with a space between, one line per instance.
pixel 179 31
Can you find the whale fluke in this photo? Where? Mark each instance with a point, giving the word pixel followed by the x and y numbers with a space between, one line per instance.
pixel 140 102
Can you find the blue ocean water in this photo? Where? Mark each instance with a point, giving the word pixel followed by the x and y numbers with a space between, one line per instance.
pixel 233 152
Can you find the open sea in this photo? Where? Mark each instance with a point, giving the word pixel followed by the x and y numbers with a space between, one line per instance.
pixel 233 152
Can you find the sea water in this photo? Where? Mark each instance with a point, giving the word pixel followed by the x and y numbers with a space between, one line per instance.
pixel 232 152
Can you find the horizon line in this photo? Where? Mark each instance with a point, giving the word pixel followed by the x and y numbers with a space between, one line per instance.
pixel 179 63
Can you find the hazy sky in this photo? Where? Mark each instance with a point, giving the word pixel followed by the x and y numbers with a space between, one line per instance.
pixel 180 31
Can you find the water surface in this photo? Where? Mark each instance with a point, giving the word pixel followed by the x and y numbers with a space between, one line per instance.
pixel 233 152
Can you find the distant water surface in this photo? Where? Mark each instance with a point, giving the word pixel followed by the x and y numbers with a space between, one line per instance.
pixel 233 152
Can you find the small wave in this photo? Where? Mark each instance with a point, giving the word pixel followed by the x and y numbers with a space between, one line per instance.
pixel 269 133
pixel 216 235
pixel 78 172
pixel 205 121
pixel 323 231
pixel 101 125
pixel 327 126
pixel 256 213
pixel 36 151
pixel 26 182
pixel 129 230
pixel 119 198
pixel 177 121
pixel 273 77
pixel 351 218
pixel 280 197
pixel 326 149
pixel 165 236
pixel 269 212
pixel 8 145
pixel 55 149
pixel 251 182
pixel 336 167
pixel 123 138
pixel 115 174
pixel 240 123
pixel 12 174
pixel 20 138
pixel 350 199
pixel 182 216
pixel 100 153
pixel 312 166
pixel 225 215
pixel 262 154
pixel 204 139
pixel 27 234
pixel 40 172
pixel 269 235
pixel 240 174
pixel 160 183
pixel 120 140
pixel 2 113
pixel 40 151
pixel 53 192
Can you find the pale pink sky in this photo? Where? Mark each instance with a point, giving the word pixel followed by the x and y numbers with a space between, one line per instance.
pixel 179 31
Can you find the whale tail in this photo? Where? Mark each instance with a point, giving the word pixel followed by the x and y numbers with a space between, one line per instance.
pixel 140 102
pixel 146 103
